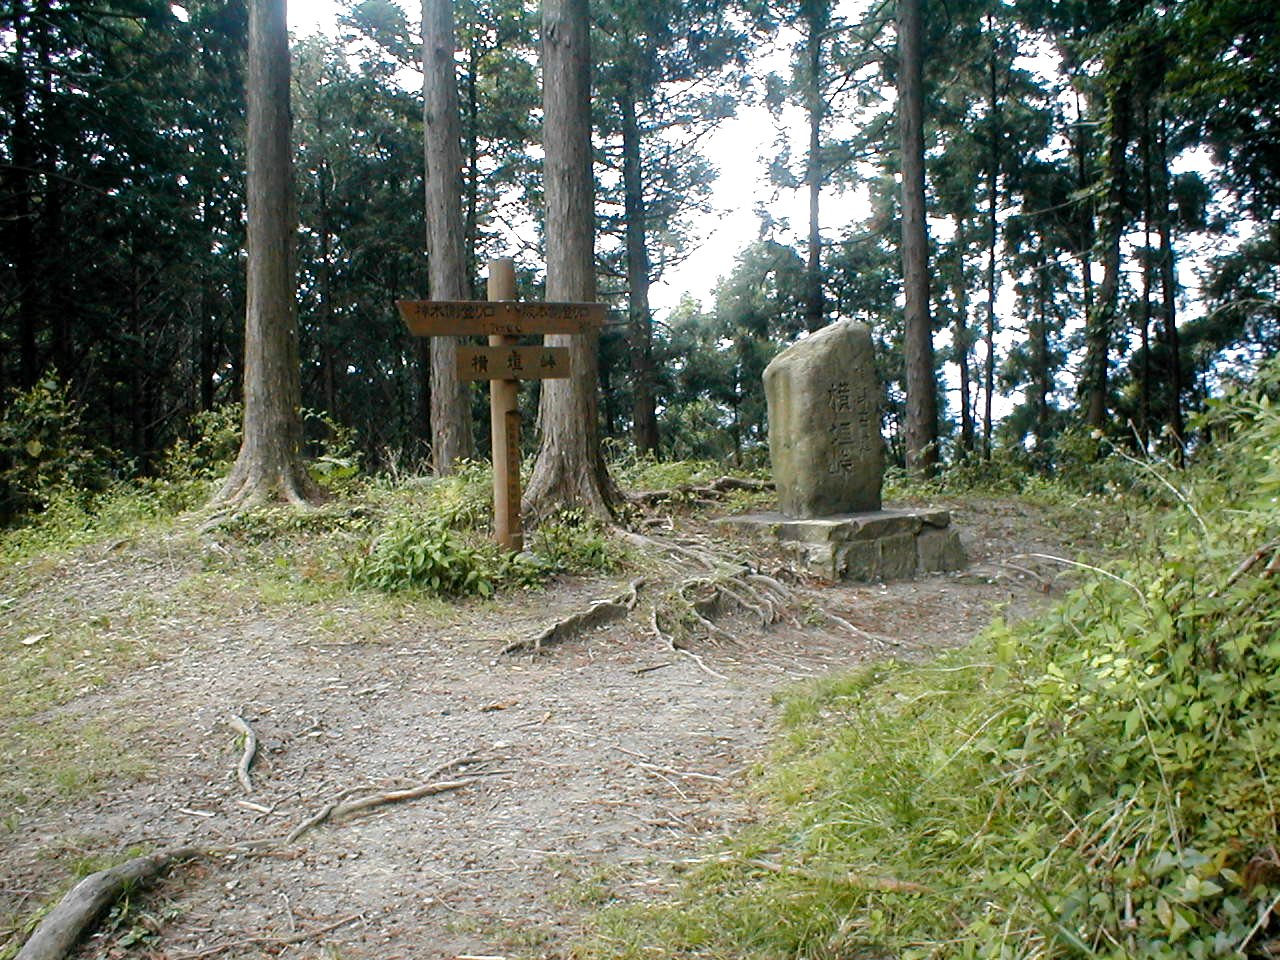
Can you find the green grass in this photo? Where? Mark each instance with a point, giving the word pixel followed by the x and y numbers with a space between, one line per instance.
pixel 1101 781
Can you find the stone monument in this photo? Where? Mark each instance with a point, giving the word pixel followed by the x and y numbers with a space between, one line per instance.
pixel 828 466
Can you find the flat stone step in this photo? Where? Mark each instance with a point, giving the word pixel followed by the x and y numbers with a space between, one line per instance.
pixel 893 544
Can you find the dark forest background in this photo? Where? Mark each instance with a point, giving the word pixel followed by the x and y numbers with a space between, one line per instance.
pixel 1103 185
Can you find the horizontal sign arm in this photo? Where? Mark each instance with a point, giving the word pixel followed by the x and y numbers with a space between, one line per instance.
pixel 465 318
pixel 513 363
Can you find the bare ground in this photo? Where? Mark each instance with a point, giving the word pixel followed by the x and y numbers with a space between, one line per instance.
pixel 606 759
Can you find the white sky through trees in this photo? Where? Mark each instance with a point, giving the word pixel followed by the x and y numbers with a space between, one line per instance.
pixel 738 150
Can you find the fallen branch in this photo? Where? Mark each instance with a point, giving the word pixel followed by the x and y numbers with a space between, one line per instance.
pixel 66 923
pixel 250 751
pixel 269 941
pixel 341 807
pixel 597 615
pixel 714 490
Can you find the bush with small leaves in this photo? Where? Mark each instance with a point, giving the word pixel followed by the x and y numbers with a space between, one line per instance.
pixel 425 555
pixel 43 450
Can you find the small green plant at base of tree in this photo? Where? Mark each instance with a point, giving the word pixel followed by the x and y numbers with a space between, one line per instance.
pixel 576 543
pixel 425 555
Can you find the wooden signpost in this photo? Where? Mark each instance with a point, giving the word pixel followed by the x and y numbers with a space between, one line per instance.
pixel 504 363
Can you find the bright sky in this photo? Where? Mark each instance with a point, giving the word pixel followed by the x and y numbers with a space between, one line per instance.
pixel 737 149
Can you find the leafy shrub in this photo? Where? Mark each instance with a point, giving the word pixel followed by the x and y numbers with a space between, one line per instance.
pixel 214 441
pixel 462 500
pixel 1101 781
pixel 43 449
pixel 570 540
pixel 337 462
pixel 425 555
pixel 190 466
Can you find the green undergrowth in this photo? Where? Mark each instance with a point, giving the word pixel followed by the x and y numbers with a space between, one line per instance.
pixel 1102 781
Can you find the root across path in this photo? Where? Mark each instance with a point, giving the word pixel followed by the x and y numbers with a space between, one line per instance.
pixel 366 779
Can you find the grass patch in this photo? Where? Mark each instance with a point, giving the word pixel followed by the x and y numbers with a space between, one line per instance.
pixel 1101 781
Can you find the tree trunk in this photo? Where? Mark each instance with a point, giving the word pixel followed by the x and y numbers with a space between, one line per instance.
pixel 569 470
pixel 993 239
pixel 1102 317
pixel 922 386
pixel 20 188
pixel 644 416
pixel 961 342
pixel 451 437
pixel 814 305
pixel 328 360
pixel 269 466
pixel 471 224
pixel 1085 208
pixel 1144 333
pixel 1040 375
pixel 1169 290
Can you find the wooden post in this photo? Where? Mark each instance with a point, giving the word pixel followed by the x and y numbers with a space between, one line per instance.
pixel 504 419
pixel 504 363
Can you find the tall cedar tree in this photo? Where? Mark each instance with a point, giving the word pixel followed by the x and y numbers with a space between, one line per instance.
pixel 922 385
pixel 569 469
pixel 269 466
pixel 451 438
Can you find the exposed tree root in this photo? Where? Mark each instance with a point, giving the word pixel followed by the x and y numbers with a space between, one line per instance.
pixel 75 914
pixel 670 643
pixel 597 615
pixel 874 638
pixel 250 751
pixel 686 492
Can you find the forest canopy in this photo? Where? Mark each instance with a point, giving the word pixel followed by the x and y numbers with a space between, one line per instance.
pixel 1101 194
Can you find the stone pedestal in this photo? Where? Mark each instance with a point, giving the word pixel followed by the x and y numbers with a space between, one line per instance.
pixel 873 545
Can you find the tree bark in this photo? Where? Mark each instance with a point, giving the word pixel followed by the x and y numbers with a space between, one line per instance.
pixel 21 187
pixel 269 466
pixel 814 304
pixel 1039 335
pixel 1169 289
pixel 1101 318
pixel 921 427
pixel 1144 313
pixel 569 470
pixel 993 239
pixel 644 416
pixel 451 435
pixel 1085 223
pixel 961 342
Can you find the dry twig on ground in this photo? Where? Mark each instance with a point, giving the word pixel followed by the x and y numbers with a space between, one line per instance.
pixel 299 937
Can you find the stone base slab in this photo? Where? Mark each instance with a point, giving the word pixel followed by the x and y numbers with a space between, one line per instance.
pixel 876 545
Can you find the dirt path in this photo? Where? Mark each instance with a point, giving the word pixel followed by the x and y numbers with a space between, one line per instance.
pixel 609 758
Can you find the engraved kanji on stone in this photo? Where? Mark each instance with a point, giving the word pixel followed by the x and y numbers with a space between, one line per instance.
pixel 844 432
pixel 839 396
pixel 514 362
pixel 480 363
